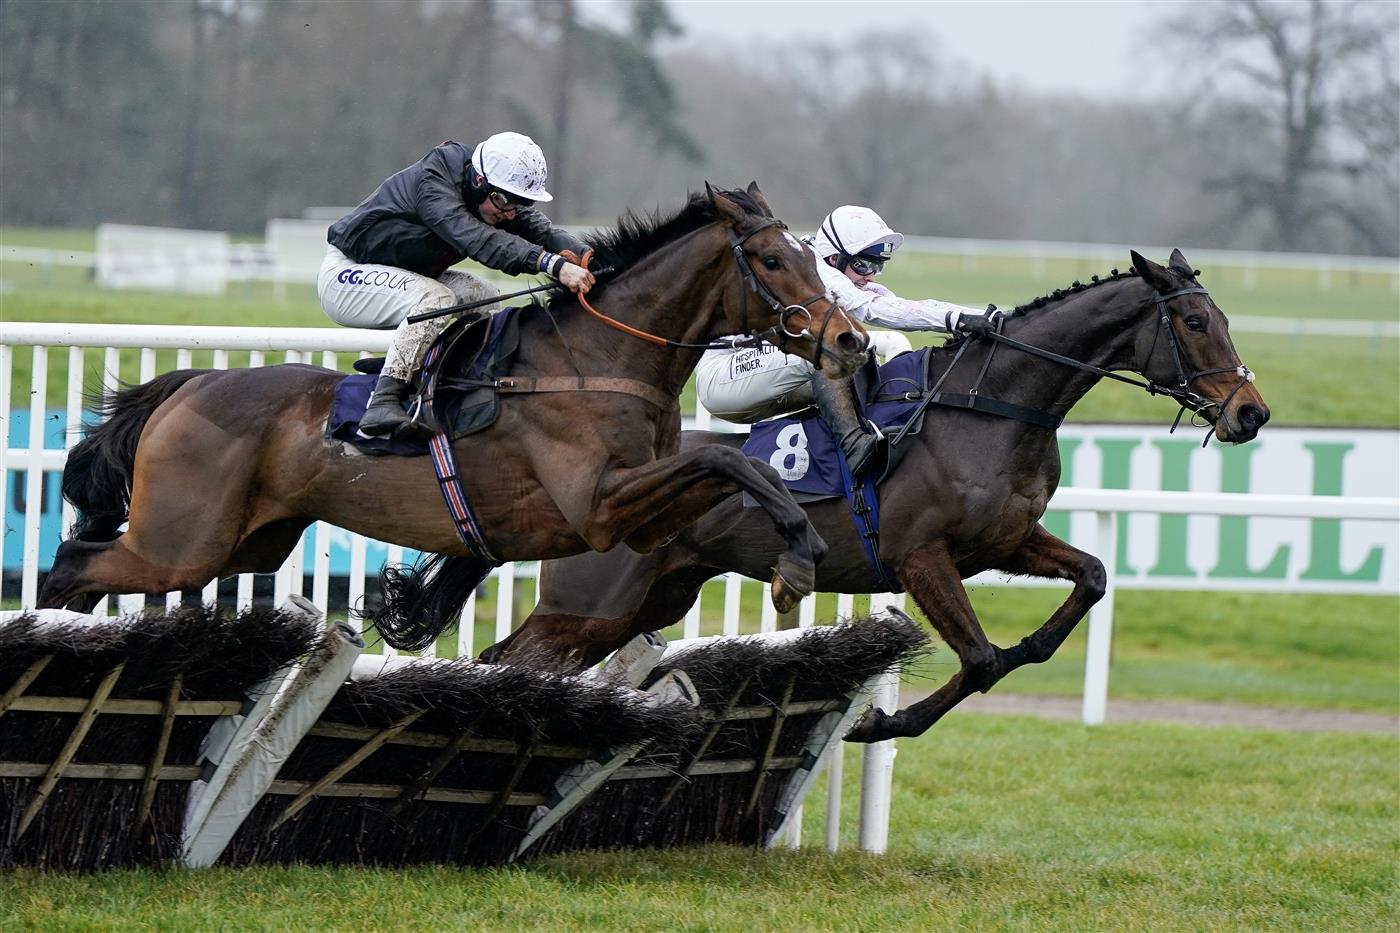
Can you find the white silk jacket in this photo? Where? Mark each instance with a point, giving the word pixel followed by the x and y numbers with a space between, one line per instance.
pixel 878 305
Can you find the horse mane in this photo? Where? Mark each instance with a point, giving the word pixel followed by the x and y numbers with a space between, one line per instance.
pixel 639 235
pixel 1056 296
pixel 1073 288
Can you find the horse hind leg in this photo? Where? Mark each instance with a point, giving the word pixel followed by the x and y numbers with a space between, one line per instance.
pixel 85 571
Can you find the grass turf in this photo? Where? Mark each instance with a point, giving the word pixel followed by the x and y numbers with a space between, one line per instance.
pixel 1318 381
pixel 1001 823
pixel 1283 650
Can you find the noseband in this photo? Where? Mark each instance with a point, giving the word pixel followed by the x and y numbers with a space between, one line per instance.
pixel 1184 393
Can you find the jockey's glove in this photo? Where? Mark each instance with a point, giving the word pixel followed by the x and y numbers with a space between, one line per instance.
pixel 980 325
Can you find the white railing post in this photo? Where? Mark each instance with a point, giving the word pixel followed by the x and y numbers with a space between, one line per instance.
pixel 1100 641
pixel 34 475
pixel 877 768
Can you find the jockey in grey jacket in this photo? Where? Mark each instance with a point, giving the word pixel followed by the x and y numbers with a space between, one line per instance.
pixel 390 258
pixel 427 218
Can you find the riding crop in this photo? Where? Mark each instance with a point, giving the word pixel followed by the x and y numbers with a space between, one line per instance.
pixel 472 305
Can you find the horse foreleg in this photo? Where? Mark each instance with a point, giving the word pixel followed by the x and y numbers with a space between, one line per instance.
pixel 929 574
pixel 1044 555
pixel 648 504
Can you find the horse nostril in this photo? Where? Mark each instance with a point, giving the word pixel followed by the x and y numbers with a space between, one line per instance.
pixel 852 342
pixel 1252 418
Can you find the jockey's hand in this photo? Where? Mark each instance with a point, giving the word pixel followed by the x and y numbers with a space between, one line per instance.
pixel 980 325
pixel 576 278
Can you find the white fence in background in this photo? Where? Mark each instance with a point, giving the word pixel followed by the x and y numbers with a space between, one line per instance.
pixel 162 259
pixel 1036 253
pixel 328 347
pixel 292 250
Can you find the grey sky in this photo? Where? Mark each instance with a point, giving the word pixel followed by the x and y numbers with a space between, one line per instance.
pixel 1095 49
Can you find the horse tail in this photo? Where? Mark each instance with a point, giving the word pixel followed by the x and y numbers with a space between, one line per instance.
pixel 97 476
pixel 425 600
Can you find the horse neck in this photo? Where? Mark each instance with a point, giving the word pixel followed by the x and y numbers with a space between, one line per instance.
pixel 678 293
pixel 1099 325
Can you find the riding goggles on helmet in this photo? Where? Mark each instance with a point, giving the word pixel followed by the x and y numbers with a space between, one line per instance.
pixel 865 265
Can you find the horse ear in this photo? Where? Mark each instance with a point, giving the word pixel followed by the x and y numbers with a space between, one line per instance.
pixel 759 199
pixel 1152 273
pixel 729 212
pixel 1180 266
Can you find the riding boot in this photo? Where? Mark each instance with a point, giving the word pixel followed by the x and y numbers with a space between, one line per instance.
pixel 836 400
pixel 386 417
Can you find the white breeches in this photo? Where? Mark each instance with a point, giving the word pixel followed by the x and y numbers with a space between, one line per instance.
pixel 753 384
pixel 380 297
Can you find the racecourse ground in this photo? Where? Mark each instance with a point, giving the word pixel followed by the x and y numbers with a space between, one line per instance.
pixel 1001 822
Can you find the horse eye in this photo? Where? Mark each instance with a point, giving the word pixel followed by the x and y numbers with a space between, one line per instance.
pixel 771 263
pixel 1196 323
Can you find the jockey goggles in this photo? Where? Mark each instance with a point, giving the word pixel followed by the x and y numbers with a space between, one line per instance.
pixel 865 265
pixel 506 203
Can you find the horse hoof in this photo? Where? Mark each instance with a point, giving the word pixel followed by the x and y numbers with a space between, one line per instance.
pixel 872 727
pixel 785 595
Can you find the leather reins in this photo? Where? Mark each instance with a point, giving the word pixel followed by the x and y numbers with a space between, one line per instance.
pixel 1183 394
pixel 778 334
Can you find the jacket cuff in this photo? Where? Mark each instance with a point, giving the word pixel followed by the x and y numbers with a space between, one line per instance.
pixel 550 263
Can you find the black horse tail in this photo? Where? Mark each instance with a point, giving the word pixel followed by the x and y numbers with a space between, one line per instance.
pixel 97 476
pixel 425 600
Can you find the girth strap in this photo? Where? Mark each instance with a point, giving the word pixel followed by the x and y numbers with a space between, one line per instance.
pixel 522 385
pixel 449 483
pixel 992 406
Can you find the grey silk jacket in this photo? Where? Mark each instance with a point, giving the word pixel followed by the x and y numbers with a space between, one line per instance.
pixel 425 219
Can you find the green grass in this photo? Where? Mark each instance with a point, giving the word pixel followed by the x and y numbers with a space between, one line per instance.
pixel 1002 823
pixel 1319 381
pixel 1269 649
pixel 1276 292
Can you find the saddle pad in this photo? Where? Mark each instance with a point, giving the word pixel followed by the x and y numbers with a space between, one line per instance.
pixel 466 409
pixel 348 405
pixel 803 450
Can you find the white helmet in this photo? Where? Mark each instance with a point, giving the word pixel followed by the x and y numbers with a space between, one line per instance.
pixel 514 164
pixel 853 231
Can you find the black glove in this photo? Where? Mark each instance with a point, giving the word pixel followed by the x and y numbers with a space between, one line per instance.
pixel 980 325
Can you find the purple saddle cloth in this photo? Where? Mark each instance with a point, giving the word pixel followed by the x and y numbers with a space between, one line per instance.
pixel 802 448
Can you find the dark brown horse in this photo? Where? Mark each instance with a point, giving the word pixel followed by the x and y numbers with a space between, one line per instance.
pixel 967 496
pixel 219 472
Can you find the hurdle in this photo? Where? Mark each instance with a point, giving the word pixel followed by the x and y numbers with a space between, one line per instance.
pixel 274 739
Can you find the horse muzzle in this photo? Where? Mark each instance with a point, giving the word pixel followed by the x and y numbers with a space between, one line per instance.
pixel 1242 417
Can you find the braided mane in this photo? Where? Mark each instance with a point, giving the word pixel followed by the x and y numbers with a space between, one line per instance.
pixel 1059 294
pixel 1073 288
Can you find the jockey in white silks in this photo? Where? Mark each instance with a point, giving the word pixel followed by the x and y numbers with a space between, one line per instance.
pixel 852 246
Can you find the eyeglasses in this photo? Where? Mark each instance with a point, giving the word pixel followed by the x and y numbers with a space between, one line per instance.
pixel 863 265
pixel 506 204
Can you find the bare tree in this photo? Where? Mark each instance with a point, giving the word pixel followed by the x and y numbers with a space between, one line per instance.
pixel 1316 79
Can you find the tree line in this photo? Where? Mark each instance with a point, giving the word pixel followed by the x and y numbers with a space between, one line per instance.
pixel 1284 131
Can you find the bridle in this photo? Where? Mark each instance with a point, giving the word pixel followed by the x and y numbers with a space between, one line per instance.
pixel 1187 374
pixel 778 334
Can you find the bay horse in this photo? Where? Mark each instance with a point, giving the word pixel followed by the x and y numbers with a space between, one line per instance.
pixel 967 496
pixel 219 472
